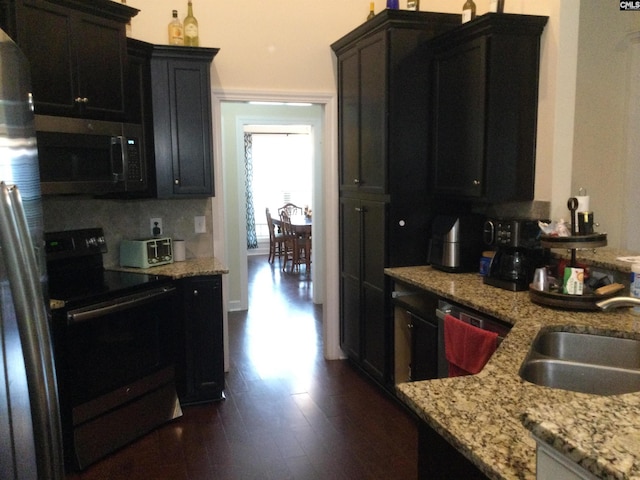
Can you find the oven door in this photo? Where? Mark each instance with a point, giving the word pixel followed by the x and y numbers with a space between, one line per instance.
pixel 113 343
pixel 115 365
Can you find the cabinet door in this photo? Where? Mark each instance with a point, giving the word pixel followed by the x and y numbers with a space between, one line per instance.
pixel 203 346
pixel 365 324
pixel 349 120
pixel 182 121
pixel 363 116
pixel 53 73
pixel 376 320
pixel 350 259
pixel 424 349
pixel 77 60
pixel 373 115
pixel 100 47
pixel 459 120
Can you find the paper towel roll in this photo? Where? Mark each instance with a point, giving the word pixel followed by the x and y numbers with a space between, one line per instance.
pixel 179 251
pixel 583 204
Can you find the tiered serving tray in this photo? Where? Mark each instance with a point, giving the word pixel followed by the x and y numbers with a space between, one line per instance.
pixel 561 300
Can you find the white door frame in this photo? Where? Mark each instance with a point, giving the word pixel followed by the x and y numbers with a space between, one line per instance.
pixel 328 209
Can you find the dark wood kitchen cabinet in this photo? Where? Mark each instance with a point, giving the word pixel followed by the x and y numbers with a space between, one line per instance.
pixel 200 356
pixel 485 104
pixel 182 122
pixel 364 332
pixel 384 185
pixel 77 52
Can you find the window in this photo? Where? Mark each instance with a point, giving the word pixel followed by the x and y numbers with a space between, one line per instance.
pixel 282 158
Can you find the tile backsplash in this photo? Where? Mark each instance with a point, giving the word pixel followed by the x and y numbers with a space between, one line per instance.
pixel 129 219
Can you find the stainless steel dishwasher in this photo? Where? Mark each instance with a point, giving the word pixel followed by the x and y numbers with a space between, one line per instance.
pixel 472 318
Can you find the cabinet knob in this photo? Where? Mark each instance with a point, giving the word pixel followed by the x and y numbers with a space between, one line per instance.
pixel 176 182
pixel 82 100
pixel 476 182
pixel 409 325
pixel 356 181
pixel 195 293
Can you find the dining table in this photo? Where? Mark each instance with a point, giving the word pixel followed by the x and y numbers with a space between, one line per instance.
pixel 301 226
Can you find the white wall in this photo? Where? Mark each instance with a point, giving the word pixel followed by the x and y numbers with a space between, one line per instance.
pixel 602 118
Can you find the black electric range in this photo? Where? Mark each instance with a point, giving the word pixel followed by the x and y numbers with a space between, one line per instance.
pixel 76 272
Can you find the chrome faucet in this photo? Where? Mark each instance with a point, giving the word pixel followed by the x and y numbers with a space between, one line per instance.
pixel 618 302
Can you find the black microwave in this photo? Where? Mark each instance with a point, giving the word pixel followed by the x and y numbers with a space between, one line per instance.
pixel 79 156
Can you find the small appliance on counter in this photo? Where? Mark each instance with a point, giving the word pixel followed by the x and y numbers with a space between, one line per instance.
pixel 456 243
pixel 518 252
pixel 145 253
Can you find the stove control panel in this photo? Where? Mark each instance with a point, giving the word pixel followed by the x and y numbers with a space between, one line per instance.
pixel 73 243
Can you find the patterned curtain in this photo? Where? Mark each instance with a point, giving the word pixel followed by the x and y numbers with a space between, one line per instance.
pixel 252 238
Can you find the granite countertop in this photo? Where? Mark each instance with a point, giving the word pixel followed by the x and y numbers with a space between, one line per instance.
pixel 605 257
pixel 488 417
pixel 192 267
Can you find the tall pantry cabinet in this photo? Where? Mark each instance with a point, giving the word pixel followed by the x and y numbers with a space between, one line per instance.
pixel 383 145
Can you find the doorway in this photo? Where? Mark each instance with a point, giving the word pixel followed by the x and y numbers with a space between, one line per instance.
pixel 278 170
pixel 235 117
pixel 232 110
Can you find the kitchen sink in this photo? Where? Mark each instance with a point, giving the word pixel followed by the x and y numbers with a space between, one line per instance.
pixel 581 362
pixel 588 348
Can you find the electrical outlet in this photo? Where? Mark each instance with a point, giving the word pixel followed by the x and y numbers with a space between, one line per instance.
pixel 155 226
pixel 200 224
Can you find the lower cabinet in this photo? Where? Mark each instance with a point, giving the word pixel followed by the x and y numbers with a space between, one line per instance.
pixel 438 459
pixel 417 334
pixel 200 356
pixel 365 329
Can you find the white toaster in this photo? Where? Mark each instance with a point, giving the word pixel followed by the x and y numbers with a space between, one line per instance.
pixel 145 253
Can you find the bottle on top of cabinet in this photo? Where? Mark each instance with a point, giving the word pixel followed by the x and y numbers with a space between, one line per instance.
pixel 496 6
pixel 176 30
pixel 468 11
pixel 413 5
pixel 393 4
pixel 191 28
pixel 372 13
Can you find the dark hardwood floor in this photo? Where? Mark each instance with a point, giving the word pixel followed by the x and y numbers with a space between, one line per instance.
pixel 288 413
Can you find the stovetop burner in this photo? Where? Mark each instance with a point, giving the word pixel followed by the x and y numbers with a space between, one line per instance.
pixel 76 272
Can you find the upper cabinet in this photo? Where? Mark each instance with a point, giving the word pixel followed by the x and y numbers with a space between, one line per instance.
pixel 77 51
pixel 485 102
pixel 382 104
pixel 182 123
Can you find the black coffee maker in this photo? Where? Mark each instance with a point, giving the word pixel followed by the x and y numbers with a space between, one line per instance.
pixel 517 252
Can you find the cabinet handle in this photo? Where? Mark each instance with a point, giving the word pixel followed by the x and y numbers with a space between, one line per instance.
pixel 82 100
pixel 195 293
pixel 356 181
pixel 476 182
pixel 409 325
pixel 360 209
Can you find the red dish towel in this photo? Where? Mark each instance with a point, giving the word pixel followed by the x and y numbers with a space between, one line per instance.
pixel 466 347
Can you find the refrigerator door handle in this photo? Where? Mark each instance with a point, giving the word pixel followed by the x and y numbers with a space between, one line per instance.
pixel 32 319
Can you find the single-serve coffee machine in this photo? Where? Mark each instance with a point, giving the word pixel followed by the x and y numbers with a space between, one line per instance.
pixel 456 243
pixel 517 252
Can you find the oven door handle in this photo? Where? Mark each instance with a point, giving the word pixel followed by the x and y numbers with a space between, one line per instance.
pixel 117 305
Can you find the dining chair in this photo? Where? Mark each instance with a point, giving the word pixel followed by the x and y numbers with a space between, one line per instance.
pixel 276 239
pixel 291 209
pixel 296 247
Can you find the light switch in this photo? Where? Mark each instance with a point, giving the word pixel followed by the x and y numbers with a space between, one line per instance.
pixel 200 224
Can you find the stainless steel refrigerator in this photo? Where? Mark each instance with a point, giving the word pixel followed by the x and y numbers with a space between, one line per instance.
pixel 30 436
